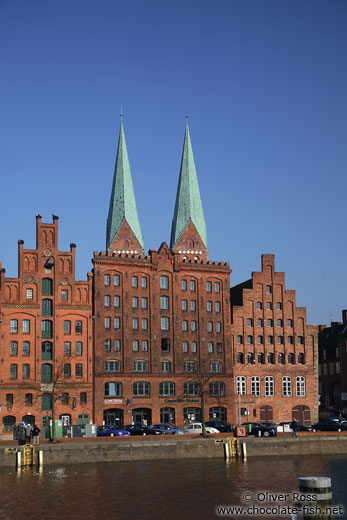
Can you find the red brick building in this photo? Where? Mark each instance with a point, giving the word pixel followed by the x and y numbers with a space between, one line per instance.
pixel 46 336
pixel 275 351
pixel 333 365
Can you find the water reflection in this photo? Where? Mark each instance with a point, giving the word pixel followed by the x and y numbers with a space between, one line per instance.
pixel 158 490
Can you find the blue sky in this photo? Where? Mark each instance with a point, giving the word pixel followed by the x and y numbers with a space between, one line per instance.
pixel 264 83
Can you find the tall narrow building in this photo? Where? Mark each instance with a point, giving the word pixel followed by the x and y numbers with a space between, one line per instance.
pixel 188 233
pixel 123 225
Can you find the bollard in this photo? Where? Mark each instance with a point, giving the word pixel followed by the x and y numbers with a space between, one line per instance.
pixel 19 459
pixel 320 487
pixel 226 451
pixel 40 458
pixel 244 450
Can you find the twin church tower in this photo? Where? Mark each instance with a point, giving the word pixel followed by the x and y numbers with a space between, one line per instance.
pixel 188 226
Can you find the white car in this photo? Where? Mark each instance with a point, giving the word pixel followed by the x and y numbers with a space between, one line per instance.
pixel 197 428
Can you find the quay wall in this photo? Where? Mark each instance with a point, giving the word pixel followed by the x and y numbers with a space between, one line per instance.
pixel 194 448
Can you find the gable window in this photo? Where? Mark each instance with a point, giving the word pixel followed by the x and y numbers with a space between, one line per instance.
pixel 281 358
pixel 135 323
pixel 290 340
pixel 240 358
pixel 249 322
pixel 279 306
pixel 193 326
pixel 259 322
pixel 259 340
pixel 290 323
pixel 64 295
pixel 135 345
pixel 269 323
pixel 261 358
pixel 271 358
pixel 291 358
pixel 29 294
pixel 301 358
pixel 116 301
pixel 209 306
pixel 164 282
pixel 210 326
pixel 194 346
pixel 192 305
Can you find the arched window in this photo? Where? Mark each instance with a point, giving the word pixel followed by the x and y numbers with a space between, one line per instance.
pixel 46 373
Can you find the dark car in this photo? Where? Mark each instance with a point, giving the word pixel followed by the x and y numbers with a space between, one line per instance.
pixel 137 429
pixel 110 430
pixel 265 431
pixel 160 429
pixel 329 426
pixel 222 426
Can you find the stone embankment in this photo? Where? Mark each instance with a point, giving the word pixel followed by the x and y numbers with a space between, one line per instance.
pixel 76 451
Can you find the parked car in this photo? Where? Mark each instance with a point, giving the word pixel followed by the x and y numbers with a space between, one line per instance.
pixel 269 424
pixel 329 426
pixel 299 427
pixel 197 428
pixel 108 430
pixel 160 429
pixel 137 429
pixel 221 426
pixel 255 428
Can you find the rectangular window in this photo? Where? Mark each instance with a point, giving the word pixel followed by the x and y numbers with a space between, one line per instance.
pixel 239 340
pixel 113 389
pixel 107 345
pixel 164 302
pixel 185 346
pixel 140 366
pixel 67 327
pixel 29 294
pixel 144 303
pixel 255 386
pixel 184 305
pixel 193 305
pixel 269 306
pixel 117 345
pixel 241 385
pixel 112 366
pixel 259 305
pixel 217 287
pixel 184 285
pixel 141 389
pixel 194 346
pixel 217 306
pixel 144 345
pixel 191 389
pixel 28 398
pixel 64 295
pixel 135 323
pixel 209 326
pixel 13 371
pixel 65 398
pixel 47 287
pixel 290 323
pixel 218 326
pixel 280 340
pixel 26 348
pixel 144 324
pixel 217 388
pixel 135 345
pixel 134 281
pixel 210 347
pixel 166 389
pixel 67 348
pixel 116 301
pixel 279 323
pixel 83 397
pixel 193 326
pixel 79 370
pixel 164 282
pixel 135 302
pixel 107 322
pixel 107 300
pixel 106 280
pixel 78 348
pixel 189 366
pixel 143 282
pixel 13 348
pixel 78 327
pixel 192 285
pixel 208 286
pixel 164 323
pixel 14 326
pixel 184 325
pixel 116 280
pixel 286 386
pixel 9 399
pixel 26 371
pixel 219 348
pixel 269 386
pixel 116 323
pixel 165 344
pixel 165 366
pixel 300 386
pixel 268 289
pixel 209 306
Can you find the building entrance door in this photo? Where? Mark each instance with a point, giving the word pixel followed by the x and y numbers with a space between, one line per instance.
pixel 142 416
pixel 46 419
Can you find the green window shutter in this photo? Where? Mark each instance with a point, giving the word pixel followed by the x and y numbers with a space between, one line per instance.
pixel 46 351
pixel 46 402
pixel 46 329
pixel 46 374
pixel 47 287
pixel 47 307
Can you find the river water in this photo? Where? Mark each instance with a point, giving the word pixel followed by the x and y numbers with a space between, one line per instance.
pixel 160 490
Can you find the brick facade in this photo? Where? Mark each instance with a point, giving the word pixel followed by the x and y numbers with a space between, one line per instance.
pixel 333 365
pixel 45 313
pixel 273 344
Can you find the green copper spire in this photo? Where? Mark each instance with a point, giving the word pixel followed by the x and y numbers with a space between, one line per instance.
pixel 188 206
pixel 122 203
